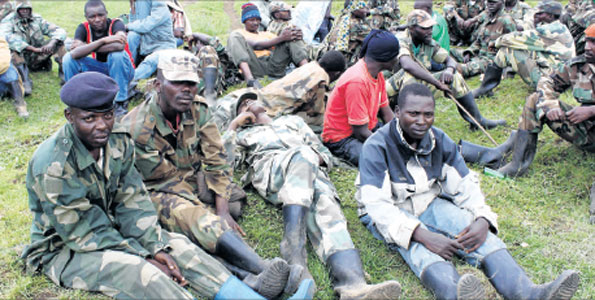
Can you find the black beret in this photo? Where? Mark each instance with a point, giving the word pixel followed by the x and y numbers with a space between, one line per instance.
pixel 90 91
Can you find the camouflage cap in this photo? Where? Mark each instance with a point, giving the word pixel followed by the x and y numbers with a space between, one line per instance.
pixel 550 6
pixel 178 65
pixel 421 18
pixel 279 6
pixel 24 4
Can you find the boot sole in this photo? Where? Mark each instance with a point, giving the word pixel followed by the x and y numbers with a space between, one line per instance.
pixel 388 290
pixel 469 287
pixel 567 286
pixel 272 280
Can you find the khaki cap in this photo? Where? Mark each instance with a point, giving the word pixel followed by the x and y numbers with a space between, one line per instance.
pixel 421 18
pixel 178 65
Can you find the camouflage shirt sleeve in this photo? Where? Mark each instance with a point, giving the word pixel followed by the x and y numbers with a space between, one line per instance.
pixel 53 31
pixel 550 88
pixel 16 42
pixel 314 142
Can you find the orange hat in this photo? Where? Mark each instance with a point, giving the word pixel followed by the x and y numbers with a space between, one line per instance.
pixel 590 32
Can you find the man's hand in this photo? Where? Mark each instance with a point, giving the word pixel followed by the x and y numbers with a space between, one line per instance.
pixel 437 243
pixel 474 235
pixel 580 114
pixel 443 87
pixel 179 32
pixel 167 265
pixel 231 222
pixel 116 38
pixel 242 119
pixel 49 47
pixel 555 114
pixel 447 76
pixel 288 34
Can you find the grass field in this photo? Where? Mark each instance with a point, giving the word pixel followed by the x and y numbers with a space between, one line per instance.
pixel 543 216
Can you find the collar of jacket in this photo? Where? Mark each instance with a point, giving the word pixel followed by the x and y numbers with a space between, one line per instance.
pixel 186 119
pixel 426 145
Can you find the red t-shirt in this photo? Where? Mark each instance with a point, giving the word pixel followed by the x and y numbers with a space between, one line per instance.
pixel 355 100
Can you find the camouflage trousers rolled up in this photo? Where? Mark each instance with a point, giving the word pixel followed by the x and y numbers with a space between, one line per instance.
pixel 293 177
pixel 38 61
pixel 402 78
pixel 124 276
pixel 530 65
pixel 273 65
pixel 215 56
pixel 195 220
pixel 581 135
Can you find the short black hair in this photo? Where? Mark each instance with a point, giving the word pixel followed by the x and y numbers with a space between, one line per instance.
pixel 412 89
pixel 332 61
pixel 94 3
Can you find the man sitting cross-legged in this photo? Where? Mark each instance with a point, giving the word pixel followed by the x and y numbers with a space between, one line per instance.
pixel 416 194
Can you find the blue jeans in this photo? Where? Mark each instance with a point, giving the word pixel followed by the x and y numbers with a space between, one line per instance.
pixel 147 67
pixel 349 148
pixel 133 40
pixel 118 67
pixel 7 77
pixel 445 218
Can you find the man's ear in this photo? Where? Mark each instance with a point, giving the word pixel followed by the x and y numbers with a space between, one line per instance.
pixel 68 115
pixel 397 111
pixel 157 85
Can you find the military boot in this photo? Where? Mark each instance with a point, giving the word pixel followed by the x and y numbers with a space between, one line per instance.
pixel 445 283
pixel 209 75
pixel 270 277
pixel 485 156
pixel 350 283
pixel 523 152
pixel 15 89
pixel 491 79
pixel 511 281
pixel 468 102
pixel 27 82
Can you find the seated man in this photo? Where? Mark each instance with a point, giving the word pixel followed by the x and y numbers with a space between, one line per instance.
pixel 440 29
pixel 94 226
pixel 416 194
pixel 419 55
pixel 149 29
pixel 24 32
pixel 359 97
pixel 456 12
pixel 280 17
pixel 181 160
pixel 533 53
pixel 574 124
pixel 260 54
pixel 385 14
pixel 182 29
pixel 105 40
pixel 287 165
pixel 521 13
pixel 10 81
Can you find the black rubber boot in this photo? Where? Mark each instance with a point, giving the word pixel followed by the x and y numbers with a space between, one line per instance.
pixel 491 79
pixel 27 82
pixel 523 152
pixel 468 102
pixel 350 283
pixel 270 277
pixel 511 281
pixel 210 79
pixel 15 90
pixel 486 156
pixel 293 245
pixel 445 283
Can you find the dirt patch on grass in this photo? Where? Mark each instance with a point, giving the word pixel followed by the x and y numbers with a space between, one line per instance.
pixel 235 20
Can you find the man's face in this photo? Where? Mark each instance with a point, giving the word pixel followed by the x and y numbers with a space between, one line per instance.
pixel 540 17
pixel 284 15
pixel 494 6
pixel 421 34
pixel 97 17
pixel 416 117
pixel 24 13
pixel 361 13
pixel 590 49
pixel 251 25
pixel 176 96
pixel 92 128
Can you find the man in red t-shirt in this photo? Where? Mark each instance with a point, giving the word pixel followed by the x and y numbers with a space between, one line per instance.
pixel 352 110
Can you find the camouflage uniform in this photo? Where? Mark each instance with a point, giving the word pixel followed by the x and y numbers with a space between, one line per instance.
pixel 283 161
pixel 579 21
pixel 466 9
pixel 522 14
pixel 385 14
pixel 20 33
pixel 347 35
pixel 483 48
pixel 424 56
pixel 578 75
pixel 169 162
pixel 94 225
pixel 535 53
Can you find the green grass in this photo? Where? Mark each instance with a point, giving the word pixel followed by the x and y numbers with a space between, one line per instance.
pixel 543 216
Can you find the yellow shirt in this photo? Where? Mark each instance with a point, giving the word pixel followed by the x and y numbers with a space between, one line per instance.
pixel 257 37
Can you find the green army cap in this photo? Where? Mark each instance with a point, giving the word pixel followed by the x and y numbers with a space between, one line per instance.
pixel 279 6
pixel 421 18
pixel 550 6
pixel 24 4
pixel 178 65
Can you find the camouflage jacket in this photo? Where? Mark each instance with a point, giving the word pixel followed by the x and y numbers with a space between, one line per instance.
pixel 167 161
pixel 522 14
pixel 256 145
pixel 21 32
pixel 6 9
pixel 487 33
pixel 553 41
pixel 276 26
pixel 424 54
pixel 384 14
pixel 348 33
pixel 576 74
pixel 466 9
pixel 87 205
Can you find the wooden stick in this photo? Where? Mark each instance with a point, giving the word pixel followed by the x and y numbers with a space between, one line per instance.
pixel 472 118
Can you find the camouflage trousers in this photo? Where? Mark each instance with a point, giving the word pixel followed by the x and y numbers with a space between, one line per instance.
pixel 581 135
pixel 293 177
pixel 273 65
pixel 124 276
pixel 215 56
pixel 38 61
pixel 477 65
pixel 402 78
pixel 530 65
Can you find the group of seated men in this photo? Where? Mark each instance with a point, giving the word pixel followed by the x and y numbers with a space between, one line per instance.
pixel 141 204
